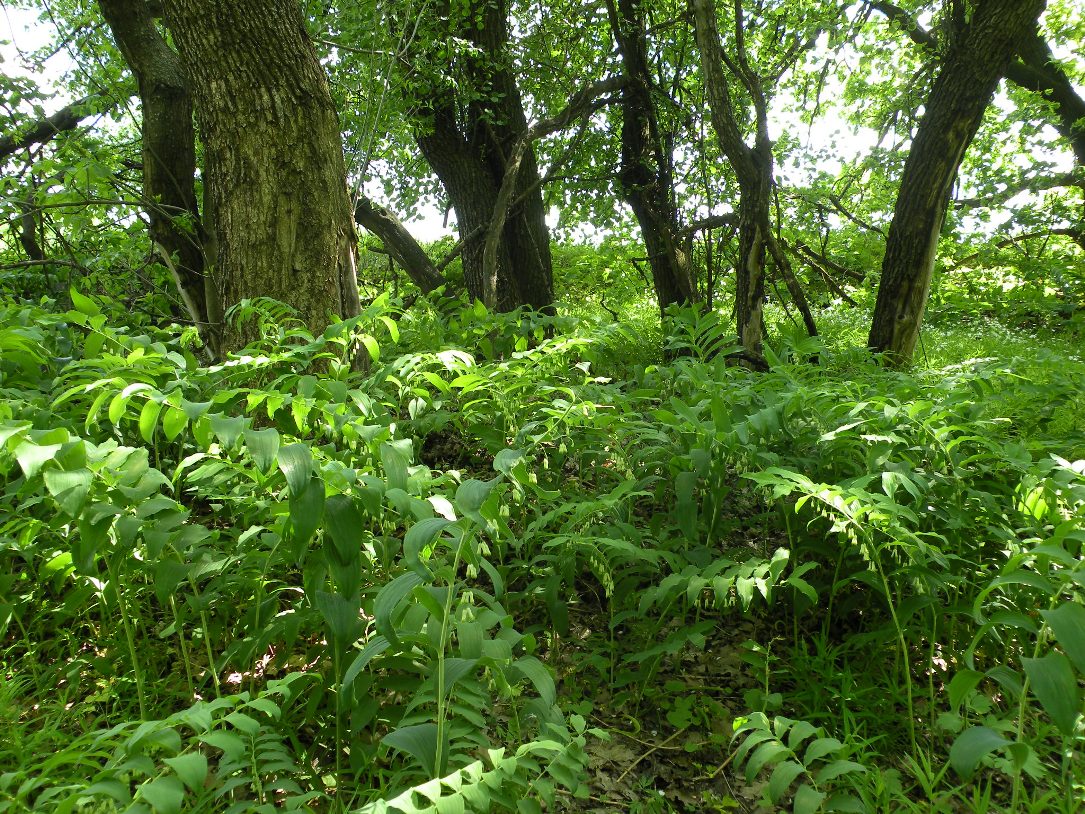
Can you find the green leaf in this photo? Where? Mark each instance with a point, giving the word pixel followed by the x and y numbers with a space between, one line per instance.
pixel 539 675
pixel 173 422
pixel 396 456
pixel 685 507
pixel 971 747
pixel 470 495
pixel 117 407
pixel 246 723
pixel 388 600
pixel 69 489
pixel 194 409
pixel 165 794
pixel 84 304
pixel 191 768
pixel 375 646
pixel 764 755
pixel 232 746
pixel 341 616
pixel 455 669
pixel 228 429
pixel 32 456
pixel 963 682
pixel 838 768
pixel 800 732
pixel 344 524
pixel 1067 622
pixel 419 741
pixel 148 419
pixel 807 800
pixel 1054 684
pixel 782 777
pixel 263 446
pixel 506 460
pixel 296 462
pixel 10 429
pixel 820 748
pixel 371 346
pixel 168 574
pixel 419 537
pixel 306 512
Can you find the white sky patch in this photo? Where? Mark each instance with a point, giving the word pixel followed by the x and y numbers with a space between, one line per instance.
pixel 22 33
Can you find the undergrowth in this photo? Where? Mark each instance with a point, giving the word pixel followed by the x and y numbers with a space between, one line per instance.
pixel 278 583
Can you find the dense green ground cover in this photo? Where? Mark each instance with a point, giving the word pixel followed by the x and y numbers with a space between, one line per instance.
pixel 561 563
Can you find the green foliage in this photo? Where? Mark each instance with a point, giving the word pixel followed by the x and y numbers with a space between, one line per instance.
pixel 281 582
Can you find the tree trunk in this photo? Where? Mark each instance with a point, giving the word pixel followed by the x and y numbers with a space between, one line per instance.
pixel 468 145
pixel 274 158
pixel 973 65
pixel 646 177
pixel 753 231
pixel 753 168
pixel 169 157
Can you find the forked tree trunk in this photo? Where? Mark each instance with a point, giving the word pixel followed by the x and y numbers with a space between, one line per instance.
pixel 169 157
pixel 753 168
pixel 974 63
pixel 646 177
pixel 468 144
pixel 273 156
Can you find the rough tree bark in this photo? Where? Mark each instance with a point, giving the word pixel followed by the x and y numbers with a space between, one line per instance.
pixel 972 67
pixel 753 168
pixel 401 245
pixel 273 158
pixel 468 144
pixel 169 157
pixel 646 177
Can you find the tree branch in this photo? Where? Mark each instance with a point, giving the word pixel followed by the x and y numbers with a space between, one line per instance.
pixel 45 130
pixel 401 245
pixel 1076 234
pixel 583 103
pixel 1067 179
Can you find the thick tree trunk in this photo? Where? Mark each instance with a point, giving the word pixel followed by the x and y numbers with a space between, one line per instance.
pixel 646 181
pixel 468 146
pixel 495 127
pixel 472 192
pixel 169 157
pixel 274 158
pixel 970 73
pixel 753 235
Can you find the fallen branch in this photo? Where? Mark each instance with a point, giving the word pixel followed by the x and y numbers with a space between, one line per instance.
pixel 401 245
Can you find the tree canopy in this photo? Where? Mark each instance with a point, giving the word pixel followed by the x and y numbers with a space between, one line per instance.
pixel 643 128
